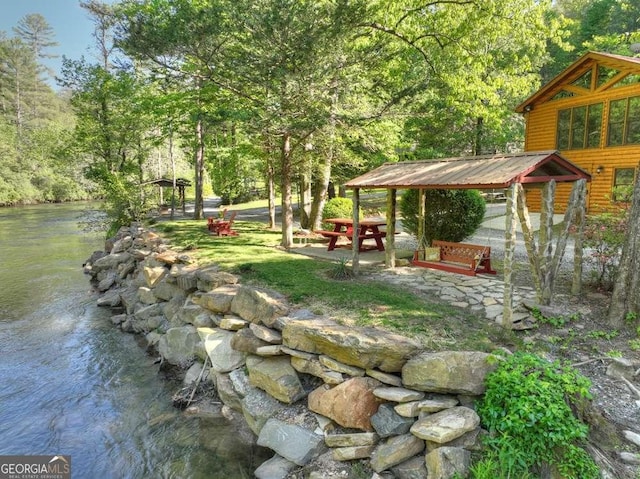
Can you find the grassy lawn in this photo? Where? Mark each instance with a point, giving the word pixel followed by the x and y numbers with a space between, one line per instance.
pixel 255 256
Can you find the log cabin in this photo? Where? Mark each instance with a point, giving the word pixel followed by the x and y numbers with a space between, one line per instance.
pixel 591 114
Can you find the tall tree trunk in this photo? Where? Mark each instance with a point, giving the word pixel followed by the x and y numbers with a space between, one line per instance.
pixel 321 188
pixel 199 170
pixel 287 203
pixel 625 300
pixel 304 203
pixel 271 186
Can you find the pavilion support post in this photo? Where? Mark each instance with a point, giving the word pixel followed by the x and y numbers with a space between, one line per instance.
pixel 422 198
pixel 355 261
pixel 509 254
pixel 390 240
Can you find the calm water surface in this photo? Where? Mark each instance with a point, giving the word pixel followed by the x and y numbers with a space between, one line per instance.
pixel 71 383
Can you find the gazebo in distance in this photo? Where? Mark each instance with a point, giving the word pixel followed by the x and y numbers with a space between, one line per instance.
pixel 180 185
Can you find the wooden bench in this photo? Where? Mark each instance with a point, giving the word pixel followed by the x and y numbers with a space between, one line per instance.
pixel 462 258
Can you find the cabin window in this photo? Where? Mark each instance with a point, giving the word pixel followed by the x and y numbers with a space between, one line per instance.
pixel 579 127
pixel 622 184
pixel 624 122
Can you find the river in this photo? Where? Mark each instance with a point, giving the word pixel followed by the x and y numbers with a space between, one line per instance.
pixel 71 383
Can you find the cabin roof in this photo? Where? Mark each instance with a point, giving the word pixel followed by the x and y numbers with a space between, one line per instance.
pixel 625 65
pixel 477 172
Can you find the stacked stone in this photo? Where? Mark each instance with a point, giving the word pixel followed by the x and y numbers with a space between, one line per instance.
pixel 375 395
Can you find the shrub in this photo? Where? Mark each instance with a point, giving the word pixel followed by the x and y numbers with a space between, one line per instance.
pixel 527 411
pixel 450 215
pixel 604 235
pixel 338 208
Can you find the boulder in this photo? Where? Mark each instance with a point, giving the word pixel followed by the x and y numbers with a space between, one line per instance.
pixel 275 468
pixel 414 468
pixel 451 372
pixel 228 394
pixel 268 335
pixel 395 450
pixel 258 305
pixel 179 345
pixel 110 261
pixel 165 290
pixel 210 278
pixel 153 274
pixel 446 462
pixel 245 341
pixel 108 281
pixel 351 440
pixel 314 367
pixel 219 300
pixel 340 367
pixel 351 403
pixel 351 453
pixel 258 407
pixel 387 422
pixel 185 276
pixel 217 345
pixel 447 425
pixel 276 376
pixel 398 394
pixel 232 323
pixel 110 299
pixel 294 443
pixel 146 296
pixel 365 348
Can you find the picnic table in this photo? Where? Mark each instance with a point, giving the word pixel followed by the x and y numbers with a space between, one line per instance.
pixel 367 229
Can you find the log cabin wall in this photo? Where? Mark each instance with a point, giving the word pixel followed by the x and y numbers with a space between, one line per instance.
pixel 601 161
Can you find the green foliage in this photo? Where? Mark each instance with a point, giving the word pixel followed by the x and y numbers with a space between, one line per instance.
pixel 527 411
pixel 338 207
pixel 604 235
pixel 450 215
pixel 340 270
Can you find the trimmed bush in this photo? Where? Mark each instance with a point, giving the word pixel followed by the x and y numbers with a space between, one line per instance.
pixel 338 208
pixel 450 215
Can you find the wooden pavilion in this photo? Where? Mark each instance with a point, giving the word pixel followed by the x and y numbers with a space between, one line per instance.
pixel 180 184
pixel 512 172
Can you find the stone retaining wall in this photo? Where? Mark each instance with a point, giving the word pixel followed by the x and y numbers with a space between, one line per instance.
pixel 315 392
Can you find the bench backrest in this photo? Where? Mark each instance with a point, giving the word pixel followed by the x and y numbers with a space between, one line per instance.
pixel 461 252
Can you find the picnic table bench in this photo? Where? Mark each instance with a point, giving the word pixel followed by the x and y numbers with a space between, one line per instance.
pixel 343 228
pixel 462 258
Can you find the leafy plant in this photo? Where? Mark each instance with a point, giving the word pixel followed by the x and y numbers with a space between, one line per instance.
pixel 338 207
pixel 450 215
pixel 604 235
pixel 527 410
pixel 341 270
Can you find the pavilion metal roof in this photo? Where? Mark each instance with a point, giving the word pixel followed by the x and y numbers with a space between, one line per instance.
pixel 478 172
pixel 168 183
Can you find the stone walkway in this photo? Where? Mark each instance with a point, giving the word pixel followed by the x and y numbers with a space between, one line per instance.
pixel 482 294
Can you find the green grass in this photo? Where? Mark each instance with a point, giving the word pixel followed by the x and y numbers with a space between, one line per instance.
pixel 256 257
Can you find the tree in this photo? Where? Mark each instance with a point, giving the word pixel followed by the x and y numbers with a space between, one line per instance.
pixel 625 301
pixel 449 215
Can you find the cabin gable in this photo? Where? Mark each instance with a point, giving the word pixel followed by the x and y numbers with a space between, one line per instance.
pixel 591 114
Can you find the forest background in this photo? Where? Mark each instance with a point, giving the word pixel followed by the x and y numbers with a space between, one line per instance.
pixel 278 97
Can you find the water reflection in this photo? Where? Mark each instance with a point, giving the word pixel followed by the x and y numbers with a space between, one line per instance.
pixel 74 384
